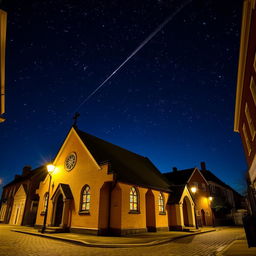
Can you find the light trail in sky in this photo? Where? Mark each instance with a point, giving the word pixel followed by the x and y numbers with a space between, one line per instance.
pixel 156 31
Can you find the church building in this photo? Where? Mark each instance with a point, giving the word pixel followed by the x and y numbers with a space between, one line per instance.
pixel 100 188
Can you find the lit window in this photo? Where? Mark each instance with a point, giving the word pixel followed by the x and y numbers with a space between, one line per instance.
pixel 249 120
pixel 133 199
pixel 253 89
pixel 161 203
pixel 247 141
pixel 46 196
pixel 85 199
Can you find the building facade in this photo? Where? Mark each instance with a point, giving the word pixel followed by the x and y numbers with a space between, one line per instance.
pixel 199 190
pixel 226 201
pixel 245 108
pixel 19 202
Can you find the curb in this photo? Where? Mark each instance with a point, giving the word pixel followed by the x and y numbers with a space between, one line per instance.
pixel 83 243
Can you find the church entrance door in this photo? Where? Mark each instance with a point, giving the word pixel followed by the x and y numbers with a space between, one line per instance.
pixel 59 211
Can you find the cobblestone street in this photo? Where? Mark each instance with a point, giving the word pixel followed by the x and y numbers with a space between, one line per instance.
pixel 17 244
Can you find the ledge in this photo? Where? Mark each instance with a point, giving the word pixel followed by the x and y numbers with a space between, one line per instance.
pixel 84 213
pixel 134 212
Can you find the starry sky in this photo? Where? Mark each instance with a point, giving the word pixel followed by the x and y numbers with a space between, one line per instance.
pixel 172 102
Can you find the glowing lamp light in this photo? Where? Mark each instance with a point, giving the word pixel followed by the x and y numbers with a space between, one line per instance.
pixel 193 189
pixel 210 198
pixel 50 168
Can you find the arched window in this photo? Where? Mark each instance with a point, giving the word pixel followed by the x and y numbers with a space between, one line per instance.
pixel 161 203
pixel 134 199
pixel 85 199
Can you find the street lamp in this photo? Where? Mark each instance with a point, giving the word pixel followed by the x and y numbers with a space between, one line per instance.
pixel 193 190
pixel 210 201
pixel 50 169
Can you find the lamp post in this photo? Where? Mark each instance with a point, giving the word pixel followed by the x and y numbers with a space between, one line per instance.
pixel 193 190
pixel 210 201
pixel 50 169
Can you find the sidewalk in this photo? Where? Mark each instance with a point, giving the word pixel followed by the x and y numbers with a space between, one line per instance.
pixel 134 240
pixel 238 248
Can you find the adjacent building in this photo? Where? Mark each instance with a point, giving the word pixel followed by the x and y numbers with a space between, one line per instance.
pixel 226 201
pixel 245 108
pixel 19 201
pixel 199 190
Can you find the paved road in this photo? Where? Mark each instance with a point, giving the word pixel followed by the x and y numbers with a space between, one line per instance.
pixel 17 244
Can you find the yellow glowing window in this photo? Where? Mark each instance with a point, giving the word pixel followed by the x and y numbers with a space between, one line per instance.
pixel 253 89
pixel 161 203
pixel 249 120
pixel 247 141
pixel 133 199
pixel 86 199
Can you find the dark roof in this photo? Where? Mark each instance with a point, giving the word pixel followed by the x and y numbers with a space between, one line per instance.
pixel 65 189
pixel 179 177
pixel 209 176
pixel 20 178
pixel 176 194
pixel 127 166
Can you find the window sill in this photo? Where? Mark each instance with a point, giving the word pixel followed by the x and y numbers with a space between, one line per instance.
pixel 42 213
pixel 134 212
pixel 162 213
pixel 84 213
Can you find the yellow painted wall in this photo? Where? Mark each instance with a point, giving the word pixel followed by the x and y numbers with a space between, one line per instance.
pixel 135 220
pixel 130 220
pixel 85 172
pixel 161 220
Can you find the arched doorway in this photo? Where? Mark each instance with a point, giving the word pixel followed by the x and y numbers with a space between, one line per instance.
pixel 203 217
pixel 187 212
pixel 59 211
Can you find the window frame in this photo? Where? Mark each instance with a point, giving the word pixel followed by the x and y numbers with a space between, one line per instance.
pixel 250 121
pixel 134 194
pixel 85 194
pixel 161 204
pixel 247 140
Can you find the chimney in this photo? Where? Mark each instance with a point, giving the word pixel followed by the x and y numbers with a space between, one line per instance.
pixel 203 166
pixel 26 170
pixel 16 176
pixel 174 169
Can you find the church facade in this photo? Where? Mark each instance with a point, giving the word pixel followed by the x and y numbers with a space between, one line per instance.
pixel 100 188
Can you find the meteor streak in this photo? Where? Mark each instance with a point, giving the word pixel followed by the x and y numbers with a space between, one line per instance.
pixel 157 30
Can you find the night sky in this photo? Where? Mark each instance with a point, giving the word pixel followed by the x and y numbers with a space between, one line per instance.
pixel 172 102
